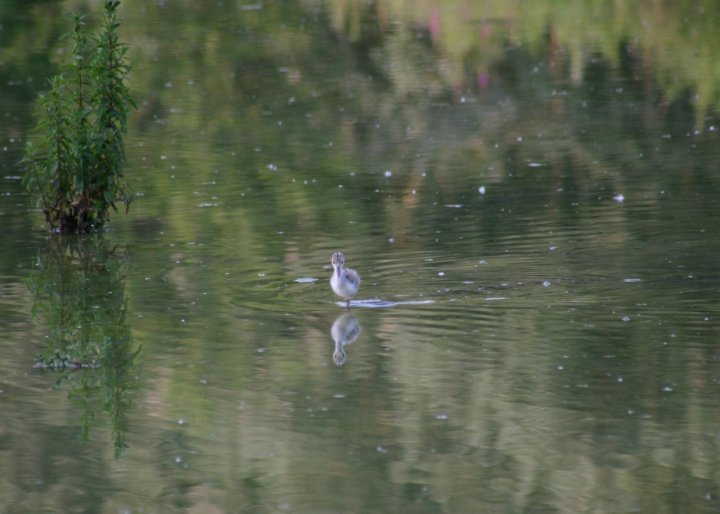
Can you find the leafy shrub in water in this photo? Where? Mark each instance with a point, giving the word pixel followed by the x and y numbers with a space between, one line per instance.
pixel 75 167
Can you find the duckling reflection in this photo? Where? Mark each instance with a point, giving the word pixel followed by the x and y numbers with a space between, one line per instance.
pixel 344 331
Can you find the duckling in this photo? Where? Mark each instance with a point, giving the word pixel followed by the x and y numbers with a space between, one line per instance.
pixel 345 282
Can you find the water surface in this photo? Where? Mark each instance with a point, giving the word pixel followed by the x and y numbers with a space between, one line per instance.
pixel 530 197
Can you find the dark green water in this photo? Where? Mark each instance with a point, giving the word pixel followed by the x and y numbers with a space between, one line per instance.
pixel 532 197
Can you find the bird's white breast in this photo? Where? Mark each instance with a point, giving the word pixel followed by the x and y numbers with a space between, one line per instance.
pixel 345 283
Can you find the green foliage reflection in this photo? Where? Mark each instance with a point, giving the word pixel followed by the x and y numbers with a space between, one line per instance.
pixel 78 288
pixel 678 41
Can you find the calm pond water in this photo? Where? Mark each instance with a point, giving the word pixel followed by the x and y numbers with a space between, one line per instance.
pixel 530 193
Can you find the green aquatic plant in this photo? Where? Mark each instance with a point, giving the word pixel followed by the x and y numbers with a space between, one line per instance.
pixel 75 166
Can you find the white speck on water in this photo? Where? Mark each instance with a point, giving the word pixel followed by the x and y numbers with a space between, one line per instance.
pixel 182 421
pixel 261 274
pixel 626 318
pixel 178 459
pixel 619 198
pixel 163 157
pixel 272 166
pixel 481 190
pixel 291 100
pixel 340 186
pixel 388 173
pixel 168 84
pixel 441 273
pixel 454 206
pixel 339 396
pixel 535 165
pixel 632 280
pixel 667 389
pixel 620 380
pixel 381 449
pixel 391 240
pixel 551 248
pixel 560 367
pixel 441 416
pixel 546 283
pixel 482 261
pixel 306 280
pixel 519 139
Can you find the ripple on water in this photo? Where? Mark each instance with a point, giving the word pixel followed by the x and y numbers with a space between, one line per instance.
pixel 377 303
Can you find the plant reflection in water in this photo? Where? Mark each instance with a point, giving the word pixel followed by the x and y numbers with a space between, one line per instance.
pixel 78 286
